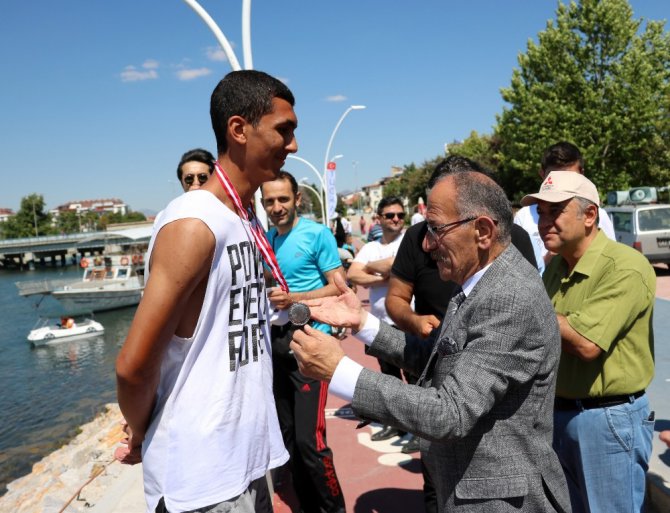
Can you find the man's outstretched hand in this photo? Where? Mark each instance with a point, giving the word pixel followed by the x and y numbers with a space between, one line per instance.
pixel 344 310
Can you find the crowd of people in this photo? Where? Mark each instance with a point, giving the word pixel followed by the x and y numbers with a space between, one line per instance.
pixel 514 350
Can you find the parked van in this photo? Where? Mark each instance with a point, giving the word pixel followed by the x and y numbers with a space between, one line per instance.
pixel 645 227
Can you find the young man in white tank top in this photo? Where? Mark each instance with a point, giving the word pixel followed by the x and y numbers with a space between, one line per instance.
pixel 194 376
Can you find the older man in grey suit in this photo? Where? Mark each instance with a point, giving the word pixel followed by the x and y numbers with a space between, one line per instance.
pixel 484 403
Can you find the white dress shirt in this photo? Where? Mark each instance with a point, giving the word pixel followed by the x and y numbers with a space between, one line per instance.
pixel 343 382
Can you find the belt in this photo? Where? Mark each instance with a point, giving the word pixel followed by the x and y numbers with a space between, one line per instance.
pixel 590 403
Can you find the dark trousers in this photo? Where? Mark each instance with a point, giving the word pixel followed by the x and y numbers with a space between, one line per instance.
pixel 301 406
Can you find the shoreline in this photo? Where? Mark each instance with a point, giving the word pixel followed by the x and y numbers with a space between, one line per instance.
pixel 84 463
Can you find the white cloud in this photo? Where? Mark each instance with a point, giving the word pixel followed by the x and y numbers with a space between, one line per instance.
pixel 132 74
pixel 336 98
pixel 191 74
pixel 283 80
pixel 150 64
pixel 216 53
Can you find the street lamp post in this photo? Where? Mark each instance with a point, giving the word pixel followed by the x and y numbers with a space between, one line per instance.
pixel 220 37
pixel 302 183
pixel 325 160
pixel 35 219
pixel 333 159
pixel 323 185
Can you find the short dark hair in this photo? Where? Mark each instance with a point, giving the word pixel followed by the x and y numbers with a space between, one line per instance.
pixel 455 164
pixel 477 192
pixel 247 93
pixel 561 155
pixel 388 200
pixel 285 175
pixel 196 155
pixel 340 232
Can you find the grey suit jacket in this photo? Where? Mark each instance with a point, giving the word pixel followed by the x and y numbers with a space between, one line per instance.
pixel 485 413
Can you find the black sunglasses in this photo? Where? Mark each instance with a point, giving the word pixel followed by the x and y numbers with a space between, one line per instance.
pixel 391 215
pixel 202 178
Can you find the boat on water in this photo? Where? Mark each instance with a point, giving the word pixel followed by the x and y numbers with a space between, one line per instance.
pixel 108 283
pixel 45 332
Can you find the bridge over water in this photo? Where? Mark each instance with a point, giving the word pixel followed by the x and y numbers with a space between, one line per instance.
pixel 21 253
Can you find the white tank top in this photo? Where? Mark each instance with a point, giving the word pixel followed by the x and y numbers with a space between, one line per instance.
pixel 214 428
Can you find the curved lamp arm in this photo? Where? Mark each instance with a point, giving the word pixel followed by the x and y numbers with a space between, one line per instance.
pixel 227 48
pixel 246 34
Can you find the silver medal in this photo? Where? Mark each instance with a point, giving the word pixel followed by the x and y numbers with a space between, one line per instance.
pixel 298 314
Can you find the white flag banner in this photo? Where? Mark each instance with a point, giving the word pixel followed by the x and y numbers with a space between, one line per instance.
pixel 331 192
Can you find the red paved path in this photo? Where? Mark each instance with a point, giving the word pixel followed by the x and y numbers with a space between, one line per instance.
pixel 374 476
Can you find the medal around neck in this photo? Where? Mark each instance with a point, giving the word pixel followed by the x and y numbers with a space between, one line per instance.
pixel 299 314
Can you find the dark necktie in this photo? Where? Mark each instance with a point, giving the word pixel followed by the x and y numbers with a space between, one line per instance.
pixel 449 344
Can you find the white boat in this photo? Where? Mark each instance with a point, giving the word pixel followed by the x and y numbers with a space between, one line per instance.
pixel 109 283
pixel 46 332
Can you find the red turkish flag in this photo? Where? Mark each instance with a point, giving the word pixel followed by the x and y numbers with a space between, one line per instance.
pixel 331 166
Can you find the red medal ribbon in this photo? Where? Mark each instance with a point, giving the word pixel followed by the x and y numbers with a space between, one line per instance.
pixel 256 228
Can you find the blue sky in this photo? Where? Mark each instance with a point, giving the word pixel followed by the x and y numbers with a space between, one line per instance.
pixel 99 99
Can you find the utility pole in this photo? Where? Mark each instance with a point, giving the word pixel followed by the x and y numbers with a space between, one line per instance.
pixel 358 193
pixel 35 219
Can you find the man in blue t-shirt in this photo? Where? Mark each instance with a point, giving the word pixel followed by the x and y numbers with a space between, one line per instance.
pixel 307 255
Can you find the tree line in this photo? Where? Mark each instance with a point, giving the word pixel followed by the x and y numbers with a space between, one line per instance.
pixel 596 77
pixel 32 220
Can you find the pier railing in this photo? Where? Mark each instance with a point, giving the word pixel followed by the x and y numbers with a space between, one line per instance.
pixel 33 287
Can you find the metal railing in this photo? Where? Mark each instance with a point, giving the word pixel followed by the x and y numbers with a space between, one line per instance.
pixel 31 288
pixel 47 239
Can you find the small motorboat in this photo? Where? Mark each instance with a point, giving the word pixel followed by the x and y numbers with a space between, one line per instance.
pixel 111 282
pixel 47 332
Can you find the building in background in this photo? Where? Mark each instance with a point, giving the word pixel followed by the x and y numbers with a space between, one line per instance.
pixel 99 206
pixel 6 213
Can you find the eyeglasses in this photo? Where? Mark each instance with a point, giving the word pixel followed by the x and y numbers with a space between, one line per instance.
pixel 434 231
pixel 202 178
pixel 391 215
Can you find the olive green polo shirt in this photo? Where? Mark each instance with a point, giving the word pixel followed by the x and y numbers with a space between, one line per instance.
pixel 608 298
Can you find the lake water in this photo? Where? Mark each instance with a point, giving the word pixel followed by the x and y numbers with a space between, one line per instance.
pixel 46 393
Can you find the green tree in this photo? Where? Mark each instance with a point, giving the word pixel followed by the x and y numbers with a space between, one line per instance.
pixel 594 78
pixel 92 221
pixel 30 220
pixel 485 150
pixel 311 203
pixel 68 222
pixel 100 221
pixel 412 183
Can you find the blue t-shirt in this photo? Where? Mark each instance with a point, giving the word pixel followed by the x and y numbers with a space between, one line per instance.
pixel 375 232
pixel 304 254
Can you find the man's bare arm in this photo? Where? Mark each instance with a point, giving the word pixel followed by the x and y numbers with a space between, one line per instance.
pixel 173 278
pixel 359 275
pixel 575 344
pixel 398 306
pixel 382 266
pixel 282 300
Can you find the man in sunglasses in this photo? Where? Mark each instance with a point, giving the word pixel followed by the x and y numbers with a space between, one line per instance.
pixel 417 299
pixel 195 168
pixel 372 268
pixel 307 255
